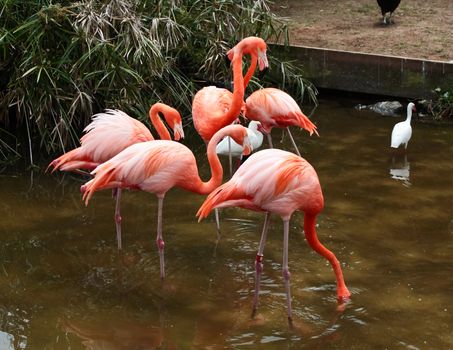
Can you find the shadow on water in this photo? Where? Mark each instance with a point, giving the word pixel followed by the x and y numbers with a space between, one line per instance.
pixel 63 284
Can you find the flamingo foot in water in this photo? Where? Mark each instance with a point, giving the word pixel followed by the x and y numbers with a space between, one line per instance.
pixel 258 271
pixel 343 295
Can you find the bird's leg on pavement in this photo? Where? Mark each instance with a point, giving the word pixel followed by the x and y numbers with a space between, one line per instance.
pixel 343 293
pixel 269 140
pixel 117 194
pixel 159 240
pixel 285 268
pixel 259 262
pixel 292 141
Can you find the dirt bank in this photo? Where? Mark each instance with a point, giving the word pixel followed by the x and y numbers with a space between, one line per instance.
pixel 422 29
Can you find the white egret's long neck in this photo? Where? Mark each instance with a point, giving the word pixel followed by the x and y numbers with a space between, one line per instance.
pixel 409 114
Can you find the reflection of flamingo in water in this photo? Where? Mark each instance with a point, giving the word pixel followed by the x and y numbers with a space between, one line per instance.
pixel 157 167
pixel 116 335
pixel 111 132
pixel 277 181
pixel 275 108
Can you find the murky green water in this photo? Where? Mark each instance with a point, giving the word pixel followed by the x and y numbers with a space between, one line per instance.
pixel 64 286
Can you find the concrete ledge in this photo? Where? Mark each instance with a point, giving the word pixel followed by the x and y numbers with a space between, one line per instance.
pixel 368 73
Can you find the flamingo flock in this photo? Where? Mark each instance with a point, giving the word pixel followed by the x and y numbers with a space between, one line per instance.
pixel 121 154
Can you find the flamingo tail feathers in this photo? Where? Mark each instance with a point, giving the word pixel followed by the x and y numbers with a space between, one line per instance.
pixel 63 160
pixel 102 180
pixel 224 193
pixel 306 123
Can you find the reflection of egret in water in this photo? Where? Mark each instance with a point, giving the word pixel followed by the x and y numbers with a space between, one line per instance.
pixel 116 335
pixel 401 171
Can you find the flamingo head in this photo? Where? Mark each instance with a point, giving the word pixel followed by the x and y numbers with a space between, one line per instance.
pixel 247 146
pixel 174 120
pixel 172 117
pixel 411 106
pixel 253 46
pixel 264 129
pixel 239 134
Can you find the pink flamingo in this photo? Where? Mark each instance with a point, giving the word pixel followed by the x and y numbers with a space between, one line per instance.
pixel 157 167
pixel 275 108
pixel 111 132
pixel 280 182
pixel 212 107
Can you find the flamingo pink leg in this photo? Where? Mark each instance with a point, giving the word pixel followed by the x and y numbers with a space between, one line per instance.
pixel 312 239
pixel 285 268
pixel 118 219
pixel 259 262
pixel 159 239
pixel 269 140
pixel 217 220
pixel 292 141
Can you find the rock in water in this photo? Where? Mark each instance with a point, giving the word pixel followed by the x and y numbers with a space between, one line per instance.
pixel 389 108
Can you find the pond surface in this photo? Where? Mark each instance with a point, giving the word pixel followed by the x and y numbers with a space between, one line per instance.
pixel 63 284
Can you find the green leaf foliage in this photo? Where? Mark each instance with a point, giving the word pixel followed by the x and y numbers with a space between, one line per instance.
pixel 63 61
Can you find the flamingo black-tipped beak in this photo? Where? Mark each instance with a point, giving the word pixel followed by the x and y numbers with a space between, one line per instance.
pixel 178 132
pixel 262 73
pixel 263 63
pixel 247 146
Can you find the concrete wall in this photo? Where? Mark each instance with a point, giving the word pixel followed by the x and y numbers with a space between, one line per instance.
pixel 368 73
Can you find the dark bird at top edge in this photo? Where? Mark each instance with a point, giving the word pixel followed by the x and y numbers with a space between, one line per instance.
pixel 388 6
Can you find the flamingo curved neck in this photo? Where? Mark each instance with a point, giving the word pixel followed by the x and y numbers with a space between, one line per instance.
pixel 215 165
pixel 251 70
pixel 199 186
pixel 238 93
pixel 157 122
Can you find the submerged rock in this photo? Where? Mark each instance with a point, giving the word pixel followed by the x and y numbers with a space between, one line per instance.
pixel 389 108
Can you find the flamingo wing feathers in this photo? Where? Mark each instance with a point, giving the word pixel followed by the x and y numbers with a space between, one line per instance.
pixel 208 108
pixel 153 166
pixel 275 108
pixel 270 180
pixel 111 132
pixel 107 135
